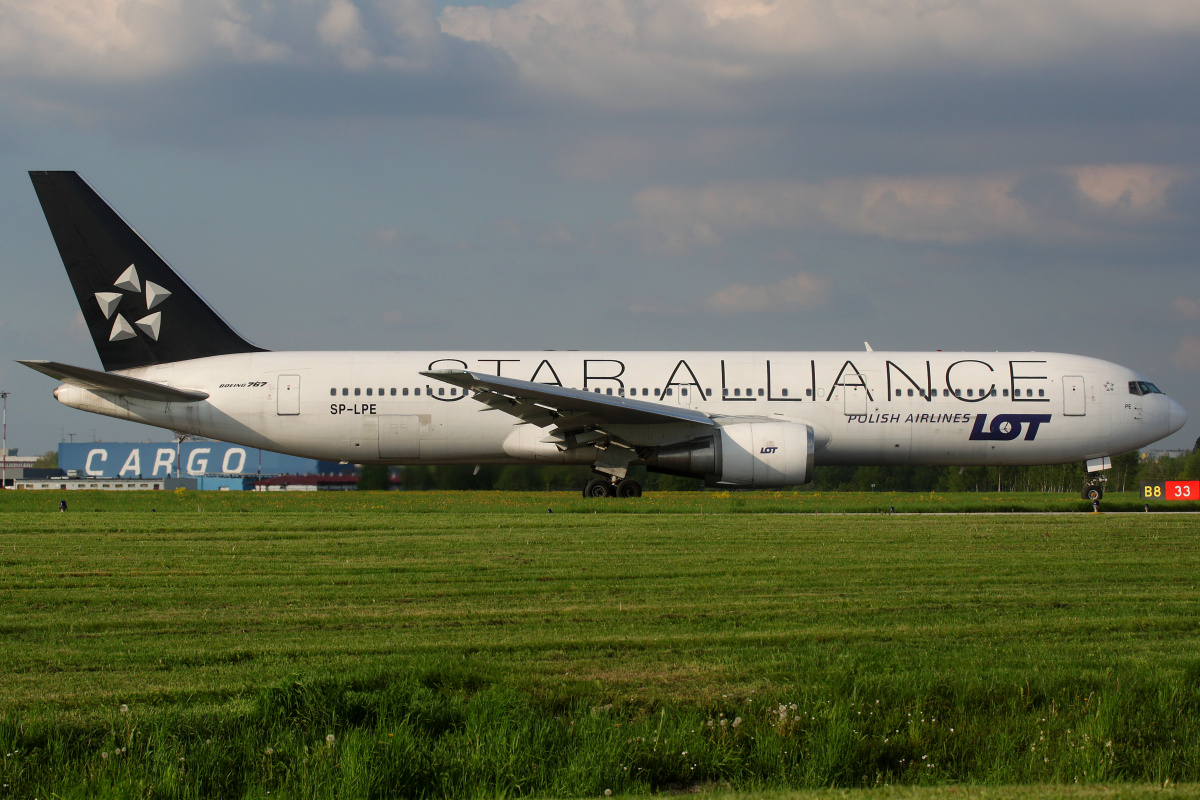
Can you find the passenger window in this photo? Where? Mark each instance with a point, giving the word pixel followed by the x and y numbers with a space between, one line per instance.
pixel 645 391
pixel 910 394
pixel 1006 392
pixel 608 391
pixel 357 391
pixel 404 391
pixel 683 391
pixel 737 392
pixel 441 390
pixel 333 392
pixel 657 391
pixel 669 392
pixel 417 390
pixel 708 392
pixel 454 392
pixel 393 391
pixel 808 392
pixel 368 391
pixel 993 391
pixel 970 392
pixel 760 392
pixel 1041 392
pixel 724 392
pixel 899 393
pixel 958 392
pixel 785 392
pixel 345 391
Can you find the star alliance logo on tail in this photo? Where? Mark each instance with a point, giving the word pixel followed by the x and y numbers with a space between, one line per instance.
pixel 150 324
pixel 1006 427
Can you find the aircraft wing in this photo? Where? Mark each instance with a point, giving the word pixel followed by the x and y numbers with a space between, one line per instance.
pixel 568 409
pixel 114 384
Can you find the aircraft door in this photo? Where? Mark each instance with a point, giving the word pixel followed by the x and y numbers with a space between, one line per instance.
pixel 685 395
pixel 399 436
pixel 287 395
pixel 1074 396
pixel 855 396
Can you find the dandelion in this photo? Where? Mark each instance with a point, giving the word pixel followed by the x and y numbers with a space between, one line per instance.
pixel 329 739
pixel 737 721
pixel 270 751
pixel 124 709
pixel 104 756
pixel 608 792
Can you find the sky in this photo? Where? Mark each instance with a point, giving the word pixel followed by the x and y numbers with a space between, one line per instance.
pixel 618 174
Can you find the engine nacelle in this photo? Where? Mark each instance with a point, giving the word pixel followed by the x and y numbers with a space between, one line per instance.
pixel 762 455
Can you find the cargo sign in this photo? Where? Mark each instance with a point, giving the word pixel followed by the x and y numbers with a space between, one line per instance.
pixel 1171 490
pixel 161 460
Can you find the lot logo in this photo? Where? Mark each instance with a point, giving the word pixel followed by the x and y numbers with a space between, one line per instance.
pixel 1006 427
pixel 769 449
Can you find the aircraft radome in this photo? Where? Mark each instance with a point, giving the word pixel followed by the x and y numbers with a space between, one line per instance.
pixel 749 419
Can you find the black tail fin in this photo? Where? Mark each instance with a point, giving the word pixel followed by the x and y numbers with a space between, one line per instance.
pixel 137 309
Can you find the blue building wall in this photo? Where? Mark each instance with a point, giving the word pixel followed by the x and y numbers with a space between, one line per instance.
pixel 157 460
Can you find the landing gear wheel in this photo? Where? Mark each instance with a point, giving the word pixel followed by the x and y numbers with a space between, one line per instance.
pixel 1092 493
pixel 629 488
pixel 598 487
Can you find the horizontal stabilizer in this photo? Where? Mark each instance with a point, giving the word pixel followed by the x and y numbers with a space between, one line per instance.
pixel 114 384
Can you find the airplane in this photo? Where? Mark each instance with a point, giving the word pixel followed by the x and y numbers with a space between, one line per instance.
pixel 735 419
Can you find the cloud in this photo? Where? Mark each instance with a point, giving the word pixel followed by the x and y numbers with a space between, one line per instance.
pixel 638 51
pixel 97 41
pixel 801 291
pixel 1050 205
pixel 385 238
pixel 1187 355
pixel 1186 307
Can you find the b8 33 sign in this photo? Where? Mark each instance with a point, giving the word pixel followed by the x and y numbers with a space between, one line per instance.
pixel 1171 490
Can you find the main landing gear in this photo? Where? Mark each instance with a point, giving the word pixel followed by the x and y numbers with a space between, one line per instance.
pixel 605 487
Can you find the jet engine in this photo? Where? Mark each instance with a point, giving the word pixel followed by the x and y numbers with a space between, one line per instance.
pixel 756 454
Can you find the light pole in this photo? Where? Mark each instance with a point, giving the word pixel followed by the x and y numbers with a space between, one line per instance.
pixel 4 445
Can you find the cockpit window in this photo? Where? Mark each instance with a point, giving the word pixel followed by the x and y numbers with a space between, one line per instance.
pixel 1143 387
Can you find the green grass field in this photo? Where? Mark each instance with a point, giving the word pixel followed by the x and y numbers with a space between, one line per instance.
pixel 451 645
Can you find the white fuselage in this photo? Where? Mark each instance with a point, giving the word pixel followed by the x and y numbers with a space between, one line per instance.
pixel 864 407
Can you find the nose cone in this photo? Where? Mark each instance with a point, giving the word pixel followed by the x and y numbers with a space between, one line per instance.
pixel 1177 417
